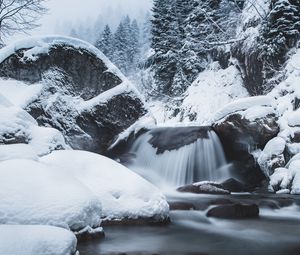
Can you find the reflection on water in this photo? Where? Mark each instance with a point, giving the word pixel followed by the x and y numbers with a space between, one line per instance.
pixel 276 232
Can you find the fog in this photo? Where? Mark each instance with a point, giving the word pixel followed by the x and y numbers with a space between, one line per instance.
pixel 63 13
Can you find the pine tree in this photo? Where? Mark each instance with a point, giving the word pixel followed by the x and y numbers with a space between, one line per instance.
pixel 120 55
pixel 134 47
pixel 105 42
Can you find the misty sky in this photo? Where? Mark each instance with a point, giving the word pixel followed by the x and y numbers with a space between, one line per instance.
pixel 75 11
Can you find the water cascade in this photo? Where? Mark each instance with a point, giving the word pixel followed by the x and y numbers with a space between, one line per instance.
pixel 179 156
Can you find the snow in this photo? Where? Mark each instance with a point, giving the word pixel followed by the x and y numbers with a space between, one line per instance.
pixel 19 93
pixel 18 123
pixel 36 240
pixel 293 118
pixel 145 122
pixel 273 148
pixel 17 151
pixel 35 193
pixel 123 193
pixel 125 87
pixel 245 104
pixel 280 178
pixel 221 85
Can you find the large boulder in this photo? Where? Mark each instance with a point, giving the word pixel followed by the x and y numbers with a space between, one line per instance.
pixel 81 93
pixel 244 127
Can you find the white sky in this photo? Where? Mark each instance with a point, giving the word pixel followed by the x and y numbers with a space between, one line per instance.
pixel 75 11
pixel 66 12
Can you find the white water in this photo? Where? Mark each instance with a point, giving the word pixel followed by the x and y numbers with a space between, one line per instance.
pixel 202 160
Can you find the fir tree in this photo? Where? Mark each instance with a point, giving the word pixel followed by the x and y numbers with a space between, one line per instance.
pixel 105 42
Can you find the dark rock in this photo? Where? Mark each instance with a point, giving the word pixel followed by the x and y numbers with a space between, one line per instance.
pixel 184 206
pixel 235 211
pixel 164 140
pixel 240 136
pixel 86 236
pixel 221 201
pixel 234 185
pixel 89 74
pixel 271 204
pixel 204 188
pixel 139 221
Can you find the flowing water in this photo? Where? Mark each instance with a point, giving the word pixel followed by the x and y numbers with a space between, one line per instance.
pixel 192 156
pixel 170 157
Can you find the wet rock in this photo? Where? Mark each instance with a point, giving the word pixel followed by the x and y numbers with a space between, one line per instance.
pixel 235 211
pixel 184 206
pixel 240 137
pixel 204 188
pixel 234 185
pixel 164 140
pixel 271 204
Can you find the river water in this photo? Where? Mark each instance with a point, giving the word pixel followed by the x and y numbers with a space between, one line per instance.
pixel 275 232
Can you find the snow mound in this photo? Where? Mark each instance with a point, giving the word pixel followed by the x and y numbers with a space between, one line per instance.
pixel 123 193
pixel 19 93
pixel 272 150
pixel 246 104
pixel 213 89
pixel 35 193
pixel 17 151
pixel 17 126
pixel 36 240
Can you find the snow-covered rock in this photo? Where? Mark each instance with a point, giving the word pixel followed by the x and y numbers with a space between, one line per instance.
pixel 36 240
pixel 18 127
pixel 272 156
pixel 123 194
pixel 36 193
pixel 256 107
pixel 90 107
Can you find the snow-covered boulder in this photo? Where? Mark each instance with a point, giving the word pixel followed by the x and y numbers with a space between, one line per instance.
pixel 36 193
pixel 36 240
pixel 272 156
pixel 70 86
pixel 123 194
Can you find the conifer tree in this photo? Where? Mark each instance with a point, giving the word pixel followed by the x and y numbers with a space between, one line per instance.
pixel 105 42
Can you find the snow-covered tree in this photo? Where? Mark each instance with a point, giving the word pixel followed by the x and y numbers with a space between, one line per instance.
pixel 105 43
pixel 281 31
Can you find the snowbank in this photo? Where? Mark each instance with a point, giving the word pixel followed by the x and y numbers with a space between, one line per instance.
pixel 250 103
pixel 19 93
pixel 123 193
pixel 213 89
pixel 17 151
pixel 35 193
pixel 36 240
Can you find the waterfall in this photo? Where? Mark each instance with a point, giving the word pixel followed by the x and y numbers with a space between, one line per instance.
pixel 179 156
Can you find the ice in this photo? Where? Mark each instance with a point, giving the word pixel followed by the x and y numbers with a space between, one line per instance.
pixel 36 240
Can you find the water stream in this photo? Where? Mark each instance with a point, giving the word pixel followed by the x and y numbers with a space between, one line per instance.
pixel 179 156
pixel 170 157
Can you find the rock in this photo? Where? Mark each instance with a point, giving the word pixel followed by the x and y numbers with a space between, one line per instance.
pixel 83 94
pixel 240 136
pixel 234 185
pixel 235 211
pixel 271 204
pixel 204 188
pixel 184 206
pixel 164 140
